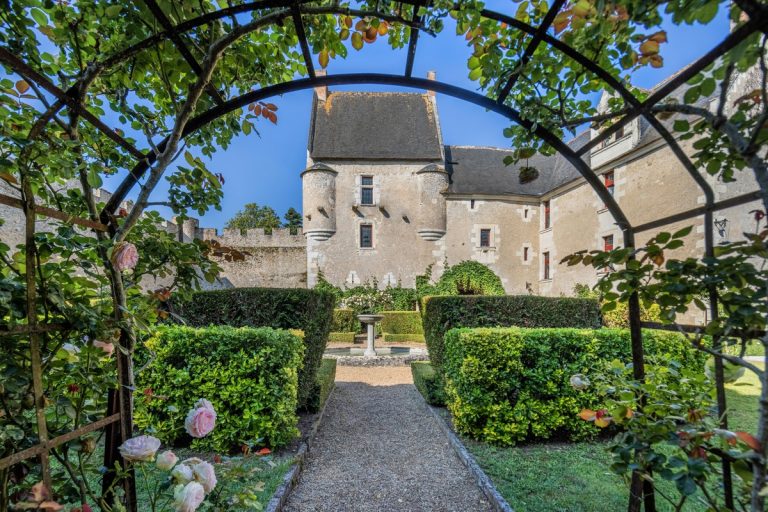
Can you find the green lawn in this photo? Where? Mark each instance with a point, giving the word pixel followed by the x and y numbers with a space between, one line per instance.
pixel 574 477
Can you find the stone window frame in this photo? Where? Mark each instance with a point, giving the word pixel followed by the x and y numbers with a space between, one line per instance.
pixel 360 227
pixel 493 235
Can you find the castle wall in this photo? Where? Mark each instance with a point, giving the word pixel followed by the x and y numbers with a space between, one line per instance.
pixel 513 227
pixel 398 253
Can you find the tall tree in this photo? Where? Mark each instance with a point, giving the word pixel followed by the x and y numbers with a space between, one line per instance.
pixel 254 216
pixel 293 220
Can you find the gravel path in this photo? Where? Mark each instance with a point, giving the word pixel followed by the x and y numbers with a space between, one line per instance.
pixel 379 449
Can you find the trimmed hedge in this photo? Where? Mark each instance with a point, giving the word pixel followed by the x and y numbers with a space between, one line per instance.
pixel 469 278
pixel 397 338
pixel 442 313
pixel 341 337
pixel 401 322
pixel 326 378
pixel 250 375
pixel 428 382
pixel 508 385
pixel 279 308
pixel 344 320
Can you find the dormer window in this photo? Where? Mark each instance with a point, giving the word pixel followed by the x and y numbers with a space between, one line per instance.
pixel 366 190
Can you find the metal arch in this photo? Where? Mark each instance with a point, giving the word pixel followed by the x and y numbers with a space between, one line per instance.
pixel 372 78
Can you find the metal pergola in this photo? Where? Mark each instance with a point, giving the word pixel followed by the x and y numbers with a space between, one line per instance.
pixel 118 419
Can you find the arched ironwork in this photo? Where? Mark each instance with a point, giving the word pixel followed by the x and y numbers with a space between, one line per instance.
pixel 279 10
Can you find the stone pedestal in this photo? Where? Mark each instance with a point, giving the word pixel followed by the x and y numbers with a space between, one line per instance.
pixel 370 323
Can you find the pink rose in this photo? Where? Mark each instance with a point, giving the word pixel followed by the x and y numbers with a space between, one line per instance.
pixel 125 256
pixel 201 419
pixel 139 449
pixel 166 460
pixel 182 474
pixel 205 475
pixel 188 497
pixel 108 348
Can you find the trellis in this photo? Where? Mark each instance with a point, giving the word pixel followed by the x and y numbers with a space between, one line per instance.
pixel 118 418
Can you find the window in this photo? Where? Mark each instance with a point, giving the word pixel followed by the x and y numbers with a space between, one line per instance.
pixel 366 236
pixel 525 254
pixel 608 243
pixel 366 190
pixel 546 265
pixel 608 180
pixel 525 213
pixel 485 238
pixel 547 217
pixel 471 204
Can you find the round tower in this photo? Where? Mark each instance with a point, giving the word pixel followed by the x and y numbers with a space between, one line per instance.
pixel 189 227
pixel 433 181
pixel 319 201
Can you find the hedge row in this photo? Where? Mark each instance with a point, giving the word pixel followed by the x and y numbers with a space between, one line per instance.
pixel 504 386
pixel 341 337
pixel 344 320
pixel 289 308
pixel 442 313
pixel 326 377
pixel 428 382
pixel 401 322
pixel 399 338
pixel 249 375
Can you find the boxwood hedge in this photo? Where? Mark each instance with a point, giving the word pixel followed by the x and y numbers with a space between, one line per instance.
pixel 279 308
pixel 442 313
pixel 250 375
pixel 506 385
pixel 401 322
pixel 344 320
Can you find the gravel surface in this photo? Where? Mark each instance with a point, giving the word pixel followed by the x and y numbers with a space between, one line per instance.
pixel 379 449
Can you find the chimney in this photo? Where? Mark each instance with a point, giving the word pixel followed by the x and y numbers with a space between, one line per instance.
pixel 321 91
pixel 431 75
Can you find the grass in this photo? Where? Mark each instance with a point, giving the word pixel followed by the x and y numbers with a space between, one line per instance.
pixel 575 477
pixel 326 376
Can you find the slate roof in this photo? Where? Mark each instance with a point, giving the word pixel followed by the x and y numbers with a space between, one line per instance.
pixel 481 170
pixel 374 126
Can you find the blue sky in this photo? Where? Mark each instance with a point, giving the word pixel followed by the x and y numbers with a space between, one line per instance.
pixel 266 169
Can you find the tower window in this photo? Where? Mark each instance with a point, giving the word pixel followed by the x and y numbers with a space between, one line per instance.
pixel 547 216
pixel 366 190
pixel 608 243
pixel 471 204
pixel 366 236
pixel 485 238
pixel 525 254
pixel 546 265
pixel 608 180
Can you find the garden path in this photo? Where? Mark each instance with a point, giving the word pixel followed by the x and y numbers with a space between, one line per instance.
pixel 379 449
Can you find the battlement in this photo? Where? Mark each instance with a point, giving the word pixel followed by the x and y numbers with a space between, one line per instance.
pixel 281 237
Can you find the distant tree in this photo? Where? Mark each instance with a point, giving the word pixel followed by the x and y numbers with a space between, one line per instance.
pixel 254 216
pixel 293 220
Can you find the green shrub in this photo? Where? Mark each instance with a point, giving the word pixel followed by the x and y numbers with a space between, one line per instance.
pixel 469 278
pixel 397 338
pixel 326 377
pixel 401 322
pixel 619 316
pixel 441 314
pixel 403 299
pixel 288 308
pixel 344 320
pixel 249 375
pixel 428 382
pixel 341 337
pixel 506 385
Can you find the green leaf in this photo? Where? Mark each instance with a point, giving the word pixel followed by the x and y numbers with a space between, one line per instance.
pixel 39 16
pixel 94 180
pixel 683 232
pixel 692 94
pixel 113 10
pixel 681 125
pixel 475 74
pixel 707 86
pixel 707 12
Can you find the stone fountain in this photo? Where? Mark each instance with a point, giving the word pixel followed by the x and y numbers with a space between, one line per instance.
pixel 370 322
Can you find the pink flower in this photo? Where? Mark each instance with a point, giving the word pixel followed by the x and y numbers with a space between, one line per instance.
pixel 139 449
pixel 201 419
pixel 125 256
pixel 188 497
pixel 182 474
pixel 166 460
pixel 205 475
pixel 108 348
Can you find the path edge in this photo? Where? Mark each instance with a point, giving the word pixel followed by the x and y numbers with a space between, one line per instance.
pixel 498 502
pixel 291 478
